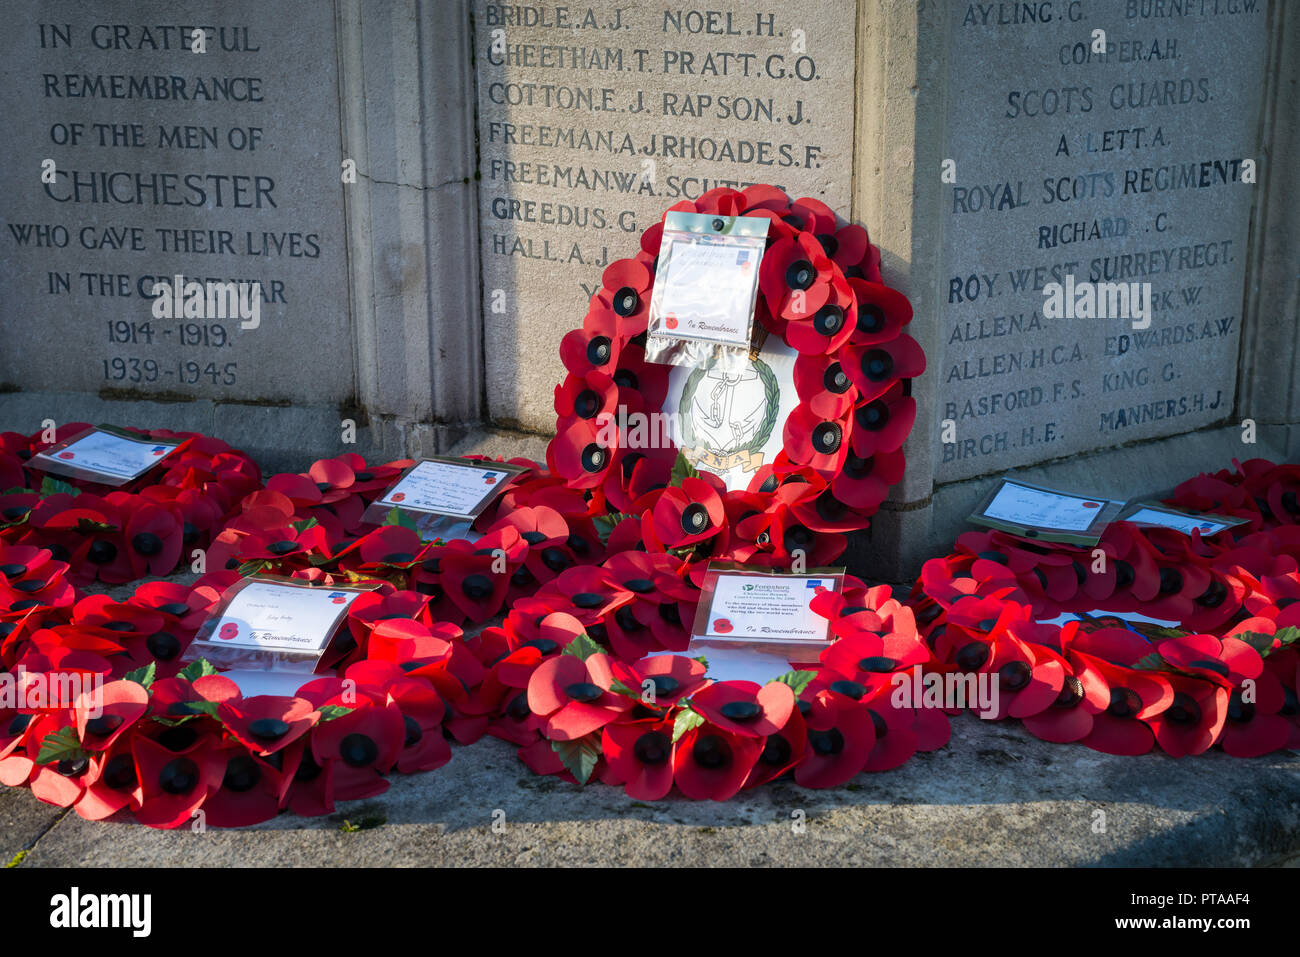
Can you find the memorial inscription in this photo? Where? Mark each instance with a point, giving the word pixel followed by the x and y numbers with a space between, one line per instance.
pixel 1095 214
pixel 594 119
pixel 157 159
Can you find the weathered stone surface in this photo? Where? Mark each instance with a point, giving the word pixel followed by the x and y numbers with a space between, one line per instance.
pixel 994 796
pixel 589 128
pixel 221 165
pixel 1125 157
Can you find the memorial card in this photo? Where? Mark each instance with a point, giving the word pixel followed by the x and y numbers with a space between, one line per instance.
pixel 1147 513
pixel 766 614
pixel 444 488
pixel 105 455
pixel 277 624
pixel 1037 512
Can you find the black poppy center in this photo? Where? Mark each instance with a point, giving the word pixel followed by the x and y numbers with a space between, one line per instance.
pixel 593 458
pixel 268 729
pixel 588 599
pixel 877 365
pixel 1184 709
pixel 587 404
pixel 834 380
pixel 1239 711
pixel 476 587
pixel 147 543
pixel 104 725
pixel 826 742
pixel 664 685
pixel 1124 703
pixel 282 547
pixel 828 320
pixel 358 750
pixel 742 711
pixel 119 773
pixel 776 751
pixel 242 774
pixel 163 646
pixel 652 748
pixel 583 691
pixel 800 274
pixel 101 552
pixel 1014 675
pixel 711 751
pixel 871 319
pixel 695 518
pixel 598 350
pixel 826 437
pixel 180 776
pixel 1210 664
pixel 972 656
pixel 1071 693
pixel 626 301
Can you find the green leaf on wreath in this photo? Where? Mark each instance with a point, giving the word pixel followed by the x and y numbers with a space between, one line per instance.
pixel 88 527
pixel 254 567
pixel 17 490
pixel 582 647
pixel 1258 640
pixel 329 712
pixel 683 469
pixel 686 719
pixel 398 517
pixel 702 660
pixel 798 680
pixel 605 524
pixel 1152 662
pixel 197 669
pixel 1287 636
pixel 303 525
pixel 579 756
pixel 52 486
pixel 143 676
pixel 59 746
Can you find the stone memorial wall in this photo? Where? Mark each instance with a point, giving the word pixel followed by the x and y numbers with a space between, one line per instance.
pixel 505 153
pixel 137 158
pixel 594 119
pixel 1112 156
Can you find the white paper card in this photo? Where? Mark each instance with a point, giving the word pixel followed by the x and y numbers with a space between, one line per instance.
pixel 284 684
pixel 273 617
pixel 1037 508
pixel 759 608
pixel 109 455
pixel 1177 521
pixel 446 489
pixel 705 287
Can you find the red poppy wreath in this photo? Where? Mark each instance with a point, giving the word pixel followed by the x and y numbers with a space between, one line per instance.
pixel 782 457
pixel 1178 641
pixel 116 535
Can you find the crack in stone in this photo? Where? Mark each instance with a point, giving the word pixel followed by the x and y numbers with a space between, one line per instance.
pixel 462 181
pixel 21 856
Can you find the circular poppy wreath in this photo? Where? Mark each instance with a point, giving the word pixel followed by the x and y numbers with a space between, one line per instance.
pixel 116 535
pixel 1226 673
pixel 820 294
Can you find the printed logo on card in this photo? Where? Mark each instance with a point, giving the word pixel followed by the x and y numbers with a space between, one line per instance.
pixel 338 597
pixel 813 583
pixel 489 478
pixel 722 626
pixel 67 455
pixel 398 496
pixel 159 449
pixel 670 322
pixel 229 631
pixel 1092 504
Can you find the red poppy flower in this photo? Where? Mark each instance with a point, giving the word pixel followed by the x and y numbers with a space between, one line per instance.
pixel 640 753
pixel 574 695
pixel 266 724
pixel 711 763
pixel 875 368
pixel 686 515
pixel 745 708
pixel 362 745
pixel 841 735
pixel 1194 717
